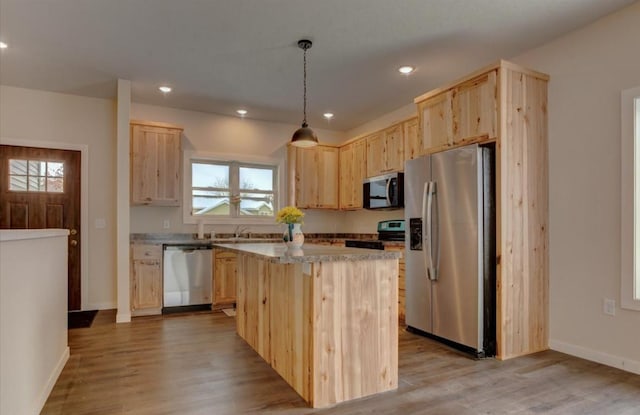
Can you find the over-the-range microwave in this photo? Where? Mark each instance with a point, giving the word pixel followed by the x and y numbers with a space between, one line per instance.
pixel 384 192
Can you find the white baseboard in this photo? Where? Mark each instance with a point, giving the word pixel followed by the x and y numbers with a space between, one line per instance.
pixel 123 317
pixel 48 387
pixel 101 306
pixel 618 362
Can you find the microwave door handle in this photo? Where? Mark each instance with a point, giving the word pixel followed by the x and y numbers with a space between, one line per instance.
pixel 388 188
pixel 426 248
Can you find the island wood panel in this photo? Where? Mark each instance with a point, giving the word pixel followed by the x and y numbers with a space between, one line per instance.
pixel 291 314
pixel 523 218
pixel 252 307
pixel 355 336
pixel 330 329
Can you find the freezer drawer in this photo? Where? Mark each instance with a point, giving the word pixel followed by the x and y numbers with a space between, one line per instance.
pixel 187 275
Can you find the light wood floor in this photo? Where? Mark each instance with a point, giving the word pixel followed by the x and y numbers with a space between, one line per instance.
pixel 195 364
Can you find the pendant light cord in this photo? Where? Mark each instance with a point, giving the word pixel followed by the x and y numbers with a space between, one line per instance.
pixel 304 120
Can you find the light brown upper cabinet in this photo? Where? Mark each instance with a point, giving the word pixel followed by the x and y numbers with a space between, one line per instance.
pixel 464 113
pixel 474 109
pixel 353 170
pixel 520 137
pixel 155 164
pixel 412 143
pixel 436 121
pixel 313 177
pixel 385 151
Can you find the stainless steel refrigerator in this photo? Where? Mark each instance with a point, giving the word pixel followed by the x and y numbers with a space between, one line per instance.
pixel 450 248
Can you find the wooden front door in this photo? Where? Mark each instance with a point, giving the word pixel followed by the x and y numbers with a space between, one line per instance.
pixel 40 188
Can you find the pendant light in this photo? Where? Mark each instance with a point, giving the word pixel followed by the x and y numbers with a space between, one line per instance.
pixel 304 136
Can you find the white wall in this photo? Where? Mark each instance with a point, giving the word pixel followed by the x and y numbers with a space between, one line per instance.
pixel 33 317
pixel 214 133
pixel 29 115
pixel 589 68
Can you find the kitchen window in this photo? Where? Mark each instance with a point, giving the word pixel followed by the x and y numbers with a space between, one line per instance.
pixel 630 230
pixel 220 190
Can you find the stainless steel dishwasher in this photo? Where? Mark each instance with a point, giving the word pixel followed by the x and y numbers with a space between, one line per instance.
pixel 186 275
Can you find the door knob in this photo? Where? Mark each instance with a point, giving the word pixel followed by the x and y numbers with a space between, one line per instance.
pixel 74 242
pixel 73 232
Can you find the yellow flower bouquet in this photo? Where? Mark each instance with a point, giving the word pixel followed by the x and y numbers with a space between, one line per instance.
pixel 289 215
pixel 292 217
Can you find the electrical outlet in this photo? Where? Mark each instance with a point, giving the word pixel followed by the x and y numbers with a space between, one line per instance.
pixel 166 224
pixel 609 307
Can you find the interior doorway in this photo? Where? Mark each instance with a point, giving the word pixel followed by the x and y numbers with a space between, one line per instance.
pixel 40 188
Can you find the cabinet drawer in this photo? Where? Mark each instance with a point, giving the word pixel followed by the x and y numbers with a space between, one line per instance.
pixel 146 252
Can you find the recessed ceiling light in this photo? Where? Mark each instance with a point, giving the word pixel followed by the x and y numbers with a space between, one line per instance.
pixel 328 115
pixel 406 70
pixel 3 45
pixel 165 89
pixel 242 112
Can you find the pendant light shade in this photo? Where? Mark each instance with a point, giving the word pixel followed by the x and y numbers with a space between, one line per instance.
pixel 304 136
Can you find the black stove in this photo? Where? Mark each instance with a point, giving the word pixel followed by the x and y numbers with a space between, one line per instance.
pixel 364 243
pixel 388 230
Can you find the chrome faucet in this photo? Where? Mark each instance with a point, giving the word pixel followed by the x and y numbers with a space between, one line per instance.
pixel 240 229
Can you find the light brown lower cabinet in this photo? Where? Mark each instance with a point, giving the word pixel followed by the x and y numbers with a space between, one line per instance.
pixel 224 278
pixel 146 280
pixel 401 284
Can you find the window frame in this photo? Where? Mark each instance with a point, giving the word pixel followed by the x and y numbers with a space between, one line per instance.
pixel 630 199
pixel 232 160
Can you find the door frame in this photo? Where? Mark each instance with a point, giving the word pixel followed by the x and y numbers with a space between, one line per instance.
pixel 84 201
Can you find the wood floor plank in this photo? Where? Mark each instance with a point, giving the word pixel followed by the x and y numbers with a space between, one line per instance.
pixel 195 364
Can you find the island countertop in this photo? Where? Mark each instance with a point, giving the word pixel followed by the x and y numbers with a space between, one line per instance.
pixel 277 253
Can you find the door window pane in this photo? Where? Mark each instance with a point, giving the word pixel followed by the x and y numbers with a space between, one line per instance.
pixel 36 176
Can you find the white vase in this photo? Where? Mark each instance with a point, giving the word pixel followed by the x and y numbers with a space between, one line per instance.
pixel 293 236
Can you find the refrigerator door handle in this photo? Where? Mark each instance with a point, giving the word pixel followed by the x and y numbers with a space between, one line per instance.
pixel 426 250
pixel 436 268
pixel 431 270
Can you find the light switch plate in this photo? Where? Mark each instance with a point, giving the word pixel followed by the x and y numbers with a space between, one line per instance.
pixel 166 224
pixel 609 307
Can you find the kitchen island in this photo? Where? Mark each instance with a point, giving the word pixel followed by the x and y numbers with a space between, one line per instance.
pixel 324 317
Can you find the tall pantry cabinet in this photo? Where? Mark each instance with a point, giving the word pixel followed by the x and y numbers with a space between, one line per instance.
pixel 505 104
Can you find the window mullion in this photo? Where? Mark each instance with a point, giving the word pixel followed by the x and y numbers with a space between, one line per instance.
pixel 234 185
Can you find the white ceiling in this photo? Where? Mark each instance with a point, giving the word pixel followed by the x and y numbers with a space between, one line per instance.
pixel 220 55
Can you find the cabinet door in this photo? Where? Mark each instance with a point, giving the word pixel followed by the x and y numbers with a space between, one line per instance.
pixel 347 179
pixel 359 171
pixel 375 154
pixel 412 144
pixel 224 278
pixel 146 285
pixel 155 165
pixel 475 109
pixel 307 179
pixel 353 170
pixel 436 122
pixel 327 176
pixel 393 149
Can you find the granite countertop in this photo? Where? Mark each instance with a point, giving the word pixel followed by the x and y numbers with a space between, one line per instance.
pixel 277 252
pixel 188 238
